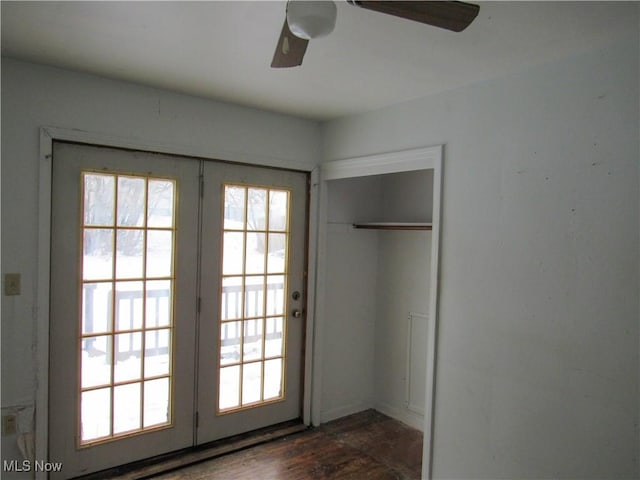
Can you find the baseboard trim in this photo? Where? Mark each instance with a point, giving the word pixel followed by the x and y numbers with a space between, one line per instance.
pixel 343 411
pixel 405 416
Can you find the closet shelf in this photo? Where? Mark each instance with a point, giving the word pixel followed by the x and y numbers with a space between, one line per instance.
pixel 393 225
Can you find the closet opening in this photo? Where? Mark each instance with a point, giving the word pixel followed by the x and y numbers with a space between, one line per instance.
pixel 377 288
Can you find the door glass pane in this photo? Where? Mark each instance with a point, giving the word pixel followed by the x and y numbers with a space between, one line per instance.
pixel 273 378
pixel 157 352
pixel 156 402
pixel 158 303
pixel 127 297
pixel 131 201
pixel 95 406
pixel 251 382
pixel 256 245
pixel 233 254
pixel 256 208
pixel 99 199
pixel 275 294
pixel 273 337
pixel 278 210
pixel 97 314
pixel 128 349
pixel 96 361
pixel 254 296
pixel 129 251
pixel 160 211
pixel 128 305
pixel 229 388
pixel 230 337
pixel 252 346
pixel 255 242
pixel 234 207
pixel 277 248
pixel 97 263
pixel 159 254
pixel 231 303
pixel 126 408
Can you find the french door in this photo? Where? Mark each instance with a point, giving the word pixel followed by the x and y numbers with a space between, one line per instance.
pixel 177 292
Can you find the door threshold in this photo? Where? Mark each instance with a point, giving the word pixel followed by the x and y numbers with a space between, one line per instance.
pixel 182 458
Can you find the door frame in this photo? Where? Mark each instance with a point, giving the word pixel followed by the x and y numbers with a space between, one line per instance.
pixel 50 134
pixel 428 158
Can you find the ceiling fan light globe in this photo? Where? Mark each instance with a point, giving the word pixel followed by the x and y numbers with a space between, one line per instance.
pixel 311 19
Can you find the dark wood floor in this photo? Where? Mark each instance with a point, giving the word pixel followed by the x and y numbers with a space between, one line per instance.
pixel 365 445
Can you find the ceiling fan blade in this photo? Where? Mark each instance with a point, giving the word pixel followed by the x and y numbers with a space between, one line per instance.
pixel 290 50
pixel 454 16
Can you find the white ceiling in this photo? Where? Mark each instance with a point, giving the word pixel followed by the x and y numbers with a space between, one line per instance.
pixel 223 50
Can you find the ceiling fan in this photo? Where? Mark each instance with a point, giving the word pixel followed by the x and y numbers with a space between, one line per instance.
pixel 313 19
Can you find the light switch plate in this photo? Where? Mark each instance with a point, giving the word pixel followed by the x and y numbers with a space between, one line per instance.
pixel 9 424
pixel 12 284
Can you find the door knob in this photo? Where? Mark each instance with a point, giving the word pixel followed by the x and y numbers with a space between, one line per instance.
pixel 296 314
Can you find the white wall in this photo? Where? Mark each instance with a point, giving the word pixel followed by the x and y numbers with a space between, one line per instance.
pixel 537 372
pixel 404 270
pixel 407 197
pixel 349 314
pixel 35 96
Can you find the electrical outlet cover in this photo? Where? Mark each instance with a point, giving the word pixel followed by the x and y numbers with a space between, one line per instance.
pixel 9 424
pixel 12 284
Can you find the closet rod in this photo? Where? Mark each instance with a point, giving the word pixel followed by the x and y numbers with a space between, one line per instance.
pixel 394 226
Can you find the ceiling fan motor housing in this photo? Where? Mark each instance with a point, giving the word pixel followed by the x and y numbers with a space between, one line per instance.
pixel 311 19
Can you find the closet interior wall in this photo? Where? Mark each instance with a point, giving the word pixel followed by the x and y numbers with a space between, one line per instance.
pixel 377 296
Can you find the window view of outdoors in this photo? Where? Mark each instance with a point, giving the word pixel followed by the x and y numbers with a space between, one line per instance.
pixel 252 307
pixel 128 236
